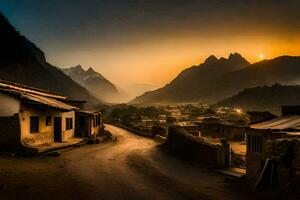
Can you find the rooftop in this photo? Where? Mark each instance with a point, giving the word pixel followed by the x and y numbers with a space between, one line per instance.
pixel 34 96
pixel 6 85
pixel 286 122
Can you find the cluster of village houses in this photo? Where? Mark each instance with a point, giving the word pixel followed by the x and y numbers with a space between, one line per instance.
pixel 36 120
pixel 272 143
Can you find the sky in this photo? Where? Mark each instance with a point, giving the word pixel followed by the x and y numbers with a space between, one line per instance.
pixel 151 41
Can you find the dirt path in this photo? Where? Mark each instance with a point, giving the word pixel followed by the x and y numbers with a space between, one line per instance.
pixel 131 168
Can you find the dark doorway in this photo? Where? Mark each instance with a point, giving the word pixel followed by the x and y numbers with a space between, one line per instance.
pixel 57 129
pixel 80 130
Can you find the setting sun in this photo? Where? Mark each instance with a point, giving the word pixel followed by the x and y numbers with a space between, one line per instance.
pixel 261 56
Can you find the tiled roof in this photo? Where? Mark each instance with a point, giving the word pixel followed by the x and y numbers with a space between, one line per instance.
pixel 48 101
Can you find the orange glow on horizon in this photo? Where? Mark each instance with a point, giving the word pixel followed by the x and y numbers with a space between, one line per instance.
pixel 158 62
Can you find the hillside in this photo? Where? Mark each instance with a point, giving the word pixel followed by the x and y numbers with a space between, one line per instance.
pixel 23 62
pixel 97 84
pixel 194 83
pixel 211 82
pixel 266 98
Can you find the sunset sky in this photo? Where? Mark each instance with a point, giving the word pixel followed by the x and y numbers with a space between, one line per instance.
pixel 151 41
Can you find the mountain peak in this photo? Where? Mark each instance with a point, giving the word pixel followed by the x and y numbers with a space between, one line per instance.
pixel 78 67
pixel 235 55
pixel 238 59
pixel 211 59
pixel 90 70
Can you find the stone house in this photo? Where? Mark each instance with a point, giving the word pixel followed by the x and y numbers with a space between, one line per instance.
pixel 88 123
pixel 31 117
pixel 219 128
pixel 285 126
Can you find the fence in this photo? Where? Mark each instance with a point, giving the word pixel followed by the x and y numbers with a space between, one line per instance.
pixel 237 160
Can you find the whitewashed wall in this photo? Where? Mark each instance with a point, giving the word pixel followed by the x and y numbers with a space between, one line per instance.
pixel 8 105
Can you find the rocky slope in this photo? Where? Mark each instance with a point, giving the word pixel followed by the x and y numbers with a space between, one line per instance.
pixel 23 62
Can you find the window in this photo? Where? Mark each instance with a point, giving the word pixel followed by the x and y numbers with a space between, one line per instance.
pixel 96 120
pixel 99 119
pixel 254 143
pixel 48 121
pixel 34 124
pixel 69 123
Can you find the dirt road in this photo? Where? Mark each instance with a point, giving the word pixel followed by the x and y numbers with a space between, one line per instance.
pixel 130 168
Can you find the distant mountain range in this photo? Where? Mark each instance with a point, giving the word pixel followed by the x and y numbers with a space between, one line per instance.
pixel 97 84
pixel 216 79
pixel 266 98
pixel 23 62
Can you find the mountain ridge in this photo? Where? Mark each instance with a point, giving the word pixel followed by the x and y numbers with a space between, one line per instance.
pixel 264 98
pixel 216 79
pixel 23 62
pixel 196 75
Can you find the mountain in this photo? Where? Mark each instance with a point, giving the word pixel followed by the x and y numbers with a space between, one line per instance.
pixel 194 83
pixel 139 89
pixel 23 62
pixel 266 98
pixel 217 79
pixel 97 84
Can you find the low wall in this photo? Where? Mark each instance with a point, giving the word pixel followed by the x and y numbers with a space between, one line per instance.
pixel 193 148
pixel 141 133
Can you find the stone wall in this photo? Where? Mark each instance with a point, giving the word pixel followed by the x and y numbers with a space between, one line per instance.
pixel 10 133
pixel 223 131
pixel 193 148
pixel 286 152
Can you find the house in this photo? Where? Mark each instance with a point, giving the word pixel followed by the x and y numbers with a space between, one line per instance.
pixel 259 116
pixel 190 128
pixel 88 123
pixel 222 128
pixel 31 117
pixel 257 137
pixel 76 103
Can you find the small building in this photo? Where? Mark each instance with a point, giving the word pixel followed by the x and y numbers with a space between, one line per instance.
pixel 88 123
pixel 219 128
pixel 190 128
pixel 32 117
pixel 258 116
pixel 76 103
pixel 285 126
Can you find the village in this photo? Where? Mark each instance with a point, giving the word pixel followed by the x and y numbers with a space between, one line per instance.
pixel 258 147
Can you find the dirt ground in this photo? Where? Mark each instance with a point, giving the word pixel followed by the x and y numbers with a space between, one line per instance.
pixel 133 167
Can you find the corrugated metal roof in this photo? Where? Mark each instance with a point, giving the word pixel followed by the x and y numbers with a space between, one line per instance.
pixel 22 88
pixel 280 123
pixel 36 96
pixel 48 101
pixel 90 112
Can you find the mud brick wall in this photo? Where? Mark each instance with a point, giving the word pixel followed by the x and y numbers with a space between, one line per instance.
pixel 193 148
pixel 10 133
pixel 287 154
